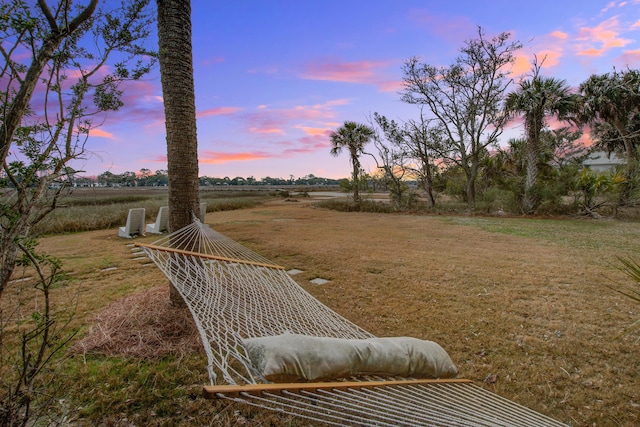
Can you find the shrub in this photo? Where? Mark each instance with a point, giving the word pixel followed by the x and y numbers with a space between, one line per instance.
pixel 343 205
pixel 632 269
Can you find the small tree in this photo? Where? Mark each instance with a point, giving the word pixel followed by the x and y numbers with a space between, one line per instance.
pixel 393 161
pixel 54 81
pixel 537 98
pixel 353 137
pixel 420 142
pixel 46 55
pixel 593 185
pixel 40 335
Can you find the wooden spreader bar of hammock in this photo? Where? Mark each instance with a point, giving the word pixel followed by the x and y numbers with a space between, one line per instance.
pixel 207 256
pixel 221 391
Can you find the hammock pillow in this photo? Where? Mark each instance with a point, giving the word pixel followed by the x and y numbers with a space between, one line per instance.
pixel 299 358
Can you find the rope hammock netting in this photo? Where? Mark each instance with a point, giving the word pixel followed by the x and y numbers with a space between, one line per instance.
pixel 235 294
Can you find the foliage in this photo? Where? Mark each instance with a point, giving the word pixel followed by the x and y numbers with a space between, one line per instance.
pixel 55 83
pixel 28 367
pixel 592 185
pixel 348 206
pixel 393 157
pixel 407 150
pixel 632 269
pixel 614 100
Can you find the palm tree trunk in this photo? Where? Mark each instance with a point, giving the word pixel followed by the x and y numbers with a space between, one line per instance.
pixel 176 73
pixel 625 194
pixel 529 200
pixel 356 180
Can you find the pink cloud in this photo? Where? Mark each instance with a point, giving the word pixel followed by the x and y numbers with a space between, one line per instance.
pixel 266 130
pixel 630 57
pixel 143 103
pixel 522 64
pixel 349 72
pixel 551 57
pixel 312 131
pixel 559 35
pixel 158 159
pixel 277 149
pixel 218 157
pixel 275 121
pixel 595 41
pixel 452 29
pixel 100 133
pixel 217 111
pixel 391 86
pixel 214 60
pixel 332 103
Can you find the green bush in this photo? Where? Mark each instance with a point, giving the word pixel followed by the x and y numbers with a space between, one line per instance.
pixel 343 205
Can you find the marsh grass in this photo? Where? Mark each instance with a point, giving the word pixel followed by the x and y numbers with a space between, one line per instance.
pixel 99 209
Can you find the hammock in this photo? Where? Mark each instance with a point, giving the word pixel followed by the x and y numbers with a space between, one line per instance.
pixel 235 294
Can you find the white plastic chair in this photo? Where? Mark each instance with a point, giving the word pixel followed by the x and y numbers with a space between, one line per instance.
pixel 203 211
pixel 162 221
pixel 135 224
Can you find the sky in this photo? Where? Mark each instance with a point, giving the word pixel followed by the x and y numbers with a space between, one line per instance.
pixel 274 78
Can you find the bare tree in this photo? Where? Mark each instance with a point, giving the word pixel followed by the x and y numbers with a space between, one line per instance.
pixel 420 143
pixel 393 158
pixel 465 98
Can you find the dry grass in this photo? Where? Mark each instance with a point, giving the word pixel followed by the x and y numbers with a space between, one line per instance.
pixel 527 316
pixel 143 325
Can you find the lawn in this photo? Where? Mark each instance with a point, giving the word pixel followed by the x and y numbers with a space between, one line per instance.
pixel 523 306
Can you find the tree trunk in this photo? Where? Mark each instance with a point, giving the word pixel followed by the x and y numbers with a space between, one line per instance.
pixel 472 174
pixel 356 179
pixel 176 72
pixel 530 199
pixel 427 183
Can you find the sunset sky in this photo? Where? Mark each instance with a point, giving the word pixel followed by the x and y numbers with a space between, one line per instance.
pixel 274 78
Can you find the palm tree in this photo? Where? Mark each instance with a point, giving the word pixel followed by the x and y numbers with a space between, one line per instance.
pixel 353 137
pixel 615 100
pixel 176 74
pixel 538 98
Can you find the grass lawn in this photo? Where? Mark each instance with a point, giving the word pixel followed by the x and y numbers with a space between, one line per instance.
pixel 522 306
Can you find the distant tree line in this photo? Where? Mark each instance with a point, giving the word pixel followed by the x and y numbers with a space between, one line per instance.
pixel 160 178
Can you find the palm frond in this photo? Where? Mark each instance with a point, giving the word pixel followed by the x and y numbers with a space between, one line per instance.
pixel 632 269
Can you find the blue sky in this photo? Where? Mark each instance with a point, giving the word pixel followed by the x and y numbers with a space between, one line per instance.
pixel 274 78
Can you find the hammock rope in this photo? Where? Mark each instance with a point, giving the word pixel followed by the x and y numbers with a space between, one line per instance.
pixel 234 293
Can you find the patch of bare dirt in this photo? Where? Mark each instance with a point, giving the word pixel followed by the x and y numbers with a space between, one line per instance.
pixel 143 325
